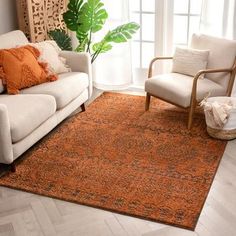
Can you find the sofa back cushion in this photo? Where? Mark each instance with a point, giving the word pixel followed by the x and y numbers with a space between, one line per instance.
pixel 49 53
pixel 222 55
pixel 19 68
pixel 13 39
pixel 10 40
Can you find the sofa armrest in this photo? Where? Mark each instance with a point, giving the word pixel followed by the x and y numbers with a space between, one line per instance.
pixel 79 62
pixel 6 151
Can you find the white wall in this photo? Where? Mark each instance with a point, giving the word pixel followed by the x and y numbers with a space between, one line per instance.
pixel 8 17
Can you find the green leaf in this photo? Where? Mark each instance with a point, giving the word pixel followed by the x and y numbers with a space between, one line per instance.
pixel 122 33
pixel 81 35
pixel 102 47
pixel 92 16
pixel 119 35
pixel 62 39
pixel 71 16
pixel 87 17
pixel 83 41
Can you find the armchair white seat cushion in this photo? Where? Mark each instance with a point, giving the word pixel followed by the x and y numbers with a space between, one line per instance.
pixel 177 88
pixel 68 86
pixel 27 112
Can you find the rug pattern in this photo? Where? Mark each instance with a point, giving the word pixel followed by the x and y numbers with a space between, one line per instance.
pixel 117 157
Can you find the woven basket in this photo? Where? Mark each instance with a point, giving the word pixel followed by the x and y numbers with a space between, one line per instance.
pixel 222 134
pixel 228 132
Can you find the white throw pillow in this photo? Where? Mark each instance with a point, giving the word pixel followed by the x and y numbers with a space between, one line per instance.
pixel 1 86
pixel 50 54
pixel 189 61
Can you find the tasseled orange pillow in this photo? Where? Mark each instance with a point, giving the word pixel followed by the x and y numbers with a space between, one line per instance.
pixel 20 69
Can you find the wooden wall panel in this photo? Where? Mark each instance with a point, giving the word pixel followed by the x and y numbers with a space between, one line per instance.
pixel 23 18
pixel 37 17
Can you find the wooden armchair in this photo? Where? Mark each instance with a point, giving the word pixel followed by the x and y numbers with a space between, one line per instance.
pixel 186 91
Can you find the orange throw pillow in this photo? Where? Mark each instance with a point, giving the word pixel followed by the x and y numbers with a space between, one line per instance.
pixel 20 69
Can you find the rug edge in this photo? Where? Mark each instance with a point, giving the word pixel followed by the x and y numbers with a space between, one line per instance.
pixel 101 208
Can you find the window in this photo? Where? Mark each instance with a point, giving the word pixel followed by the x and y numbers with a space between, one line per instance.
pixel 164 24
pixel 186 20
pixel 143 12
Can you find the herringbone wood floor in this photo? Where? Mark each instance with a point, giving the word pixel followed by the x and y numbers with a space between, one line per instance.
pixel 28 214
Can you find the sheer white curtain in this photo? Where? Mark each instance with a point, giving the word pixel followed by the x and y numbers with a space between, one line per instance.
pixel 155 37
pixel 113 70
pixel 219 18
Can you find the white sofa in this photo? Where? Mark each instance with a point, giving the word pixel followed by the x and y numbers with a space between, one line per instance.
pixel 27 117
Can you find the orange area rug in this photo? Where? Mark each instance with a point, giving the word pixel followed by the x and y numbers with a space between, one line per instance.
pixel 117 157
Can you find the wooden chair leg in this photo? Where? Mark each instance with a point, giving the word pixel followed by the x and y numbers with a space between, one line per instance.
pixel 191 113
pixel 82 107
pixel 148 98
pixel 13 167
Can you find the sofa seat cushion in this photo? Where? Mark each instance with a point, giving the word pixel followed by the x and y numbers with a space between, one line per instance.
pixel 27 112
pixel 64 90
pixel 177 88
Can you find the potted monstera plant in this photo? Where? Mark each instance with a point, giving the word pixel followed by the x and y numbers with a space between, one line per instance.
pixel 85 18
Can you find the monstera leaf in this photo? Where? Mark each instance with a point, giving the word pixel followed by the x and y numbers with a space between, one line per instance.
pixel 62 39
pixel 83 41
pixel 122 33
pixel 92 16
pixel 87 17
pixel 102 47
pixel 72 15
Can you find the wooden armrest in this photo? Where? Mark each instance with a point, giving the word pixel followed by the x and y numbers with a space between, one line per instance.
pixel 153 61
pixel 208 71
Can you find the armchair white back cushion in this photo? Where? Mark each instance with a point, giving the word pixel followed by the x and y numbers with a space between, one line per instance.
pixel 189 61
pixel 222 55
